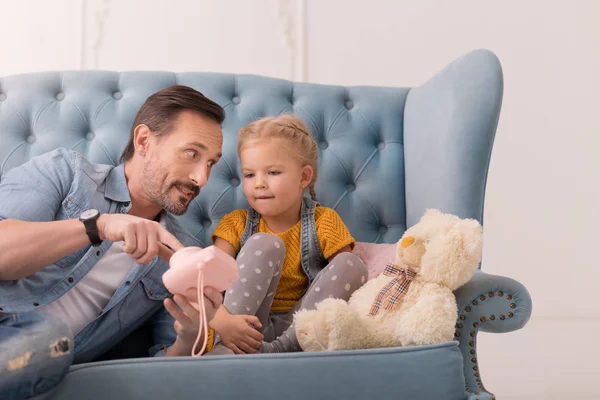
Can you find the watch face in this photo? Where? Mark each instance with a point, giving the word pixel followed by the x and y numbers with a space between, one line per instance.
pixel 89 214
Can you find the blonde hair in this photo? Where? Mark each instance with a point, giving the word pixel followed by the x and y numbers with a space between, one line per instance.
pixel 286 127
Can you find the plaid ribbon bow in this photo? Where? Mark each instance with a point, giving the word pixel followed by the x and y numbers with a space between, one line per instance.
pixel 391 295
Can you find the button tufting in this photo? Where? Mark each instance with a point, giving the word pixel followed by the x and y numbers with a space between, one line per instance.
pixel 383 229
pixel 350 187
pixel 2 96
pixel 234 182
pixel 349 104
pixel 90 135
pixel 235 100
pixel 30 139
pixel 323 144
pixel 381 145
pixel 60 96
pixel 117 95
pixel 206 223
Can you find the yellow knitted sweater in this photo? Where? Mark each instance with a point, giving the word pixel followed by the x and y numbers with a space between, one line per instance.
pixel 333 236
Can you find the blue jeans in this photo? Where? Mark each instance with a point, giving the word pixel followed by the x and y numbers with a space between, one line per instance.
pixel 36 351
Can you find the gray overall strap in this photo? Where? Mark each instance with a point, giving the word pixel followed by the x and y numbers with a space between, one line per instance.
pixel 311 254
pixel 251 227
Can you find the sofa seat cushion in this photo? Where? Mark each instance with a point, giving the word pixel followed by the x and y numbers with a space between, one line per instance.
pixel 423 372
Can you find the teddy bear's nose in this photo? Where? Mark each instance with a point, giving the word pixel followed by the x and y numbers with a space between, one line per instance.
pixel 407 241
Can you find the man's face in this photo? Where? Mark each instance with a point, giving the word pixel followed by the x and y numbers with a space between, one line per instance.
pixel 178 164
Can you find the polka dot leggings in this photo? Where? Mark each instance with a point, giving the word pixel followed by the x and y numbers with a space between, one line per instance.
pixel 259 263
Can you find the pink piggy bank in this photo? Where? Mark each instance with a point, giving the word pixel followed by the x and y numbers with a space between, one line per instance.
pixel 191 270
pixel 219 270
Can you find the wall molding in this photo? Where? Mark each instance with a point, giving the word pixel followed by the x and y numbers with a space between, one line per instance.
pixel 292 18
pixel 100 17
pixel 300 60
pixel 93 16
pixel 291 14
pixel 83 34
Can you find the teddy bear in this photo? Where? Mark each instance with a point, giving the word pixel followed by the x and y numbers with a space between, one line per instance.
pixel 412 301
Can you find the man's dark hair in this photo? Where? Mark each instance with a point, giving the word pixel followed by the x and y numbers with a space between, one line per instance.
pixel 160 111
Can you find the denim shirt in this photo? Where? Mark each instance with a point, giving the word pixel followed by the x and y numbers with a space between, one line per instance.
pixel 60 185
pixel 311 254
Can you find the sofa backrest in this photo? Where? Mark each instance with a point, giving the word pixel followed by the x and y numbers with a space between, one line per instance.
pixel 360 131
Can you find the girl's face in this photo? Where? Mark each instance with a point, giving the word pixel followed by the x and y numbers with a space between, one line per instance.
pixel 273 179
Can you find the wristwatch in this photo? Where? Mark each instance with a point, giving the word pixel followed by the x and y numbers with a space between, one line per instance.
pixel 89 219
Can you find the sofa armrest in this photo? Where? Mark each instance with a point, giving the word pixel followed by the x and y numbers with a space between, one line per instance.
pixel 489 303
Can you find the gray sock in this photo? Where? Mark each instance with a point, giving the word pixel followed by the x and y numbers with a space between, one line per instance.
pixel 285 343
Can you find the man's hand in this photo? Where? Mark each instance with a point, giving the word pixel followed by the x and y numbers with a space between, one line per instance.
pixel 187 319
pixel 238 332
pixel 143 238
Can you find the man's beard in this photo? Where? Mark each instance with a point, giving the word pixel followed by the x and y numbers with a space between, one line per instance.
pixel 159 192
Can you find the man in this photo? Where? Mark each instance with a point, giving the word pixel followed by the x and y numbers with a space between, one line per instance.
pixel 83 247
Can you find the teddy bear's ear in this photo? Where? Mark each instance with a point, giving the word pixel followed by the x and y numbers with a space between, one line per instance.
pixel 430 213
pixel 472 233
pixel 453 256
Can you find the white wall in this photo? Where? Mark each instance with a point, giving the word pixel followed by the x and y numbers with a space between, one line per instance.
pixel 543 198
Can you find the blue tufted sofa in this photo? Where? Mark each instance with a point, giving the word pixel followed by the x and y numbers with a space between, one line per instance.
pixel 386 154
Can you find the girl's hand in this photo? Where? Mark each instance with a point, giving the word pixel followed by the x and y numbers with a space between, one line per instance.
pixel 187 319
pixel 238 332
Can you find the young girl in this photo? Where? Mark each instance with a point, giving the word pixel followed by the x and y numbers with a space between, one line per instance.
pixel 291 252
